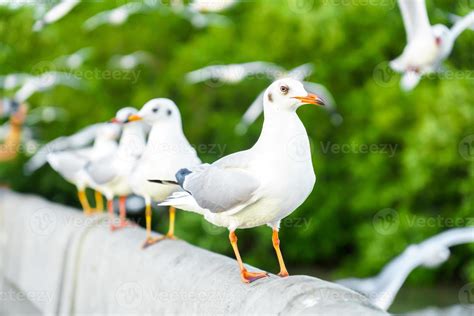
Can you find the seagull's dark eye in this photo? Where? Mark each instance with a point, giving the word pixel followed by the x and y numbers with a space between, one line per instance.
pixel 155 110
pixel 284 89
pixel 169 112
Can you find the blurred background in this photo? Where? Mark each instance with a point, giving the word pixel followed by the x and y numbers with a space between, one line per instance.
pixel 397 170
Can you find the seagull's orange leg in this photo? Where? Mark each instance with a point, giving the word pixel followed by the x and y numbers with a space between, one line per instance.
pixel 247 277
pixel 149 239
pixel 276 245
pixel 122 213
pixel 170 233
pixel 99 202
pixel 84 202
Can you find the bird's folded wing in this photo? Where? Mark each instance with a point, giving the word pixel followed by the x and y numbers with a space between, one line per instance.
pixel 102 171
pixel 221 189
pixel 461 25
pixel 81 139
pixel 415 18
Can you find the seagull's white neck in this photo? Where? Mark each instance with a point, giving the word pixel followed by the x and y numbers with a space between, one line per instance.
pixel 165 134
pixel 132 142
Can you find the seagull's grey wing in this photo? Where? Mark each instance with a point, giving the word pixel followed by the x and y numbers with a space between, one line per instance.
pixel 101 171
pixel 203 74
pixel 262 67
pixel 12 81
pixel 60 10
pixel 251 115
pixel 453 237
pixel 301 72
pixel 221 189
pixel 95 21
pixel 461 25
pixel 81 139
pixel 68 163
pixel 415 18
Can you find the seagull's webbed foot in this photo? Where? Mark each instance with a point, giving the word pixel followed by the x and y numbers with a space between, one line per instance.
pixel 151 241
pixel 249 277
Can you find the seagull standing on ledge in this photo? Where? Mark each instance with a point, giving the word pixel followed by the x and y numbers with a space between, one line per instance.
pixel 428 46
pixel 110 175
pixel 259 186
pixel 166 152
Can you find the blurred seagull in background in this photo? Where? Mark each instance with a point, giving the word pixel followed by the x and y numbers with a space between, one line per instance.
pixel 166 151
pixel 203 13
pixel 212 6
pixel 235 73
pixel 120 15
pixel 383 288
pixel 259 186
pixel 29 84
pixel 110 174
pixel 427 46
pixel 71 164
pixel 56 13
pixel 76 59
pixel 130 61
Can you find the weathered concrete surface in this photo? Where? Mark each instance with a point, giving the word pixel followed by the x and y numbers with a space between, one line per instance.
pixel 81 267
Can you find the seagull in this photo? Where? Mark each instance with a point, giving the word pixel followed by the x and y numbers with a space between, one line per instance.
pixel 76 59
pixel 71 164
pixel 110 174
pixel 56 13
pixel 383 288
pixel 235 73
pixel 130 61
pixel 29 84
pixel 259 186
pixel 427 46
pixel 120 15
pixel 212 6
pixel 166 151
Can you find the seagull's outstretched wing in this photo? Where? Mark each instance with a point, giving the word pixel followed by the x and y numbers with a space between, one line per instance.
pixel 56 13
pixel 115 16
pixel 81 139
pixel 12 81
pixel 301 72
pixel 251 115
pixel 415 18
pixel 466 22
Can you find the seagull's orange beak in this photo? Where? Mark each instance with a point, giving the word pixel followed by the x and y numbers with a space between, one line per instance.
pixel 311 99
pixel 134 117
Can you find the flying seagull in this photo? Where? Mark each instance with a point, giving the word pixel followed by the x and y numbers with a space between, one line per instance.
pixel 235 73
pixel 259 186
pixel 130 61
pixel 56 13
pixel 427 46
pixel 383 288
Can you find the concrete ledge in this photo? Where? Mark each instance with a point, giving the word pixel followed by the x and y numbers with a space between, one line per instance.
pixel 68 264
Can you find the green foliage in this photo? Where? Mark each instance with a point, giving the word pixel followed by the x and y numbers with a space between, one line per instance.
pixel 342 223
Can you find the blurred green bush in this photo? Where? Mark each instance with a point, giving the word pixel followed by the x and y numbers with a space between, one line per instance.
pixel 395 172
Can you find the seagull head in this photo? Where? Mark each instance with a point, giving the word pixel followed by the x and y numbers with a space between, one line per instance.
pixel 289 94
pixel 157 110
pixel 122 116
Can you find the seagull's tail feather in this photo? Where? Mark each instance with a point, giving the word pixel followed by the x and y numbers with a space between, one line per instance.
pixel 184 201
pixel 166 182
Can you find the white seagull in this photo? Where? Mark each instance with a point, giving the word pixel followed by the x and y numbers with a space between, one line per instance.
pixel 71 164
pixel 259 186
pixel 383 288
pixel 30 85
pixel 130 61
pixel 110 174
pixel 235 73
pixel 167 150
pixel 427 46
pixel 56 13
pixel 120 15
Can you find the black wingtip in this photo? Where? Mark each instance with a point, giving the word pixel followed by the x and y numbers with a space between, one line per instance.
pixel 163 182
